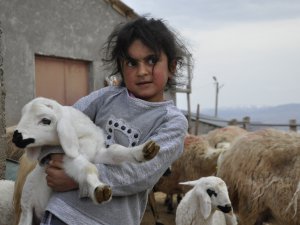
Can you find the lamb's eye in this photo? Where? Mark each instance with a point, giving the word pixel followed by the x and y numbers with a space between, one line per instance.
pixel 46 121
pixel 211 192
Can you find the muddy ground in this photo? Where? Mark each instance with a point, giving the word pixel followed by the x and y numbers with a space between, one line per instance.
pixel 165 217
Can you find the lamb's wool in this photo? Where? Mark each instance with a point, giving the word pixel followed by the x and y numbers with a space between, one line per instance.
pixel 6 205
pixel 225 135
pixel 200 204
pixel 46 122
pixel 25 167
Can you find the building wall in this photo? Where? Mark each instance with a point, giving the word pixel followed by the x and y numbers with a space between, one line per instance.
pixel 203 128
pixel 73 29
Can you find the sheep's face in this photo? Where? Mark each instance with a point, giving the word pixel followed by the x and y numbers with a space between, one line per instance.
pixel 37 126
pixel 208 194
pixel 217 191
pixel 224 145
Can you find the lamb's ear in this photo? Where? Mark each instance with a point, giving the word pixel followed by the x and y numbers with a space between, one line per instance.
pixel 190 183
pixel 204 198
pixel 67 137
pixel 205 202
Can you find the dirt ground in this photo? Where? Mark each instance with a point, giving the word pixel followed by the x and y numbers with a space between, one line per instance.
pixel 165 217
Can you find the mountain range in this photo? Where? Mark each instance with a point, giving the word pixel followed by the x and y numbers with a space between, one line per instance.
pixel 280 114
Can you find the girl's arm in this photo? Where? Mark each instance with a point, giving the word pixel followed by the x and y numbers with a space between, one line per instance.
pixel 130 178
pixel 56 177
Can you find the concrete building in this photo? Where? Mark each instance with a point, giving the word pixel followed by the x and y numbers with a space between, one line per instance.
pixel 44 43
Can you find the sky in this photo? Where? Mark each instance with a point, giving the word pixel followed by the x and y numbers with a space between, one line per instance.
pixel 252 47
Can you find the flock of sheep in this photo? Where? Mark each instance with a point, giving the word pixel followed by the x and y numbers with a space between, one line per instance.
pixel 228 176
pixel 261 170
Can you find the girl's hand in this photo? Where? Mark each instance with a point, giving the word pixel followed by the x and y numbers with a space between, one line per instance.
pixel 56 177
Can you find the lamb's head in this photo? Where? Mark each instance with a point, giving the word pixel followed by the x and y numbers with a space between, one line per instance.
pixel 212 193
pixel 37 126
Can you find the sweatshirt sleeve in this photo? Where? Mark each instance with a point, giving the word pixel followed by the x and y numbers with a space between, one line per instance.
pixel 130 178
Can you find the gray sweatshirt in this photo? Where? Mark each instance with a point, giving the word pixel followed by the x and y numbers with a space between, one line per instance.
pixel 127 121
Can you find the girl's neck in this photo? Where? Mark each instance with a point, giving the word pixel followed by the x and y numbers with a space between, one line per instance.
pixel 133 96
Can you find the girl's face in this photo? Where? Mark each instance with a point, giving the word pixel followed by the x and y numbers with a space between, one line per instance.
pixel 145 75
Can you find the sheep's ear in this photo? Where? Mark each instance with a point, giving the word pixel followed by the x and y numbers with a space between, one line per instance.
pixel 190 183
pixel 67 137
pixel 205 203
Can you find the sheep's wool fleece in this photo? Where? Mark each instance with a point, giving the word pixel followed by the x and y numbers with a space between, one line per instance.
pixel 263 169
pixel 6 207
pixel 127 121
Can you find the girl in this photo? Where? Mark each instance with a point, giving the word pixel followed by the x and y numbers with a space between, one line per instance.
pixel 149 57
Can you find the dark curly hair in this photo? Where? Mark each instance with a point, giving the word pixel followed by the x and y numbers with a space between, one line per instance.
pixel 154 34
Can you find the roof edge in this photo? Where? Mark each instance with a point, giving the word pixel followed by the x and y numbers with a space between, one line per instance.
pixel 122 9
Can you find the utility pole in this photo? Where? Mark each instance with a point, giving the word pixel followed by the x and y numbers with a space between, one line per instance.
pixel 218 87
pixel 189 88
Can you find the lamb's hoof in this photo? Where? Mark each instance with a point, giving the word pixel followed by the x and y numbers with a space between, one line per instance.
pixel 150 150
pixel 102 194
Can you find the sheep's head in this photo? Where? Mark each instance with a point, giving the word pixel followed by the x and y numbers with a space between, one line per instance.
pixel 37 126
pixel 212 193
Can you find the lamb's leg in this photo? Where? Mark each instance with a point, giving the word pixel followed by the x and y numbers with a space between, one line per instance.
pixel 35 195
pixel 26 205
pixel 116 154
pixel 86 174
pixel 99 193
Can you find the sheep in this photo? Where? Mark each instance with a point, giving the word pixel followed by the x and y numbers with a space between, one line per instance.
pixel 199 159
pixel 46 122
pixel 169 184
pixel 10 193
pixel 223 137
pixel 200 204
pixel 202 154
pixel 26 165
pixel 262 171
pixel 6 206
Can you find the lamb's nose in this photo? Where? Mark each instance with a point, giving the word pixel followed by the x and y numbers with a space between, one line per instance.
pixel 17 136
pixel 225 209
pixel 19 140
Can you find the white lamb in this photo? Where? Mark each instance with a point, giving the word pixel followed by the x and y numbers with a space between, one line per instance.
pixel 46 122
pixel 200 204
pixel 6 206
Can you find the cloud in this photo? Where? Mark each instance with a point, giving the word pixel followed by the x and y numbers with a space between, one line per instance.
pixel 251 46
pixel 258 63
pixel 207 14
